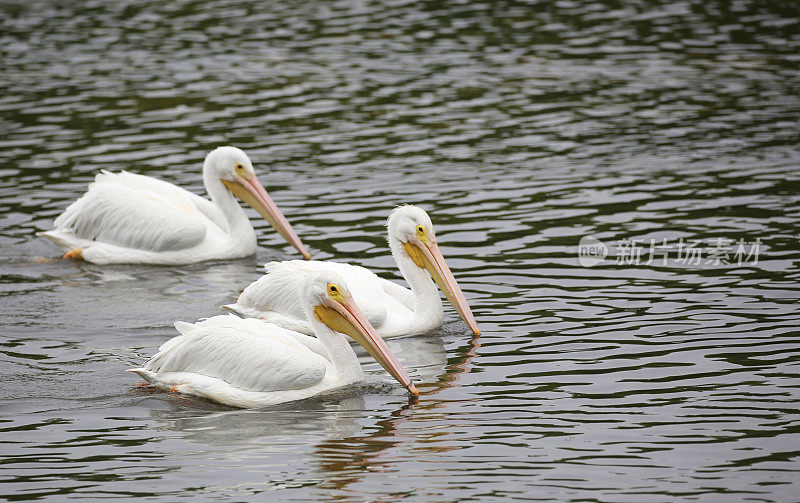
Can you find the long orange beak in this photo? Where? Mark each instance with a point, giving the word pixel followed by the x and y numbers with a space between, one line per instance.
pixel 254 194
pixel 429 257
pixel 356 325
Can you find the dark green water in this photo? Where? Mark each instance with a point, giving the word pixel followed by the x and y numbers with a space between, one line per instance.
pixel 521 128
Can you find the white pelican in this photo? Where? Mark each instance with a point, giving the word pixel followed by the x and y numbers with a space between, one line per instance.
pixel 249 363
pixel 127 218
pixel 392 309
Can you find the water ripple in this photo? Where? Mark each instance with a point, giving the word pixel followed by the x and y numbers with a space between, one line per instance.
pixel 521 127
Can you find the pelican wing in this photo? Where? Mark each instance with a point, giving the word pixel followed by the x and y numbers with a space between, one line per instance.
pixel 244 359
pixel 279 290
pixel 140 212
pixel 399 293
pixel 288 337
pixel 170 193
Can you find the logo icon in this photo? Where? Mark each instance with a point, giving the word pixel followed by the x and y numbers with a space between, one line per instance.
pixel 591 251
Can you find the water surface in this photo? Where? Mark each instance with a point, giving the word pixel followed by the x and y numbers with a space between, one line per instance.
pixel 521 128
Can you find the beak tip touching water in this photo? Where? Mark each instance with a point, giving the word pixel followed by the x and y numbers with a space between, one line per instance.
pixel 432 260
pixel 254 194
pixel 469 318
pixel 359 328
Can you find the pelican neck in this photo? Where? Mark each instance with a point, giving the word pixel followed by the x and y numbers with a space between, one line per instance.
pixel 340 354
pixel 427 303
pixel 224 200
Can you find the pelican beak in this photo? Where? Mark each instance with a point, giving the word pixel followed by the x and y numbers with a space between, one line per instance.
pixel 253 193
pixel 345 317
pixel 428 256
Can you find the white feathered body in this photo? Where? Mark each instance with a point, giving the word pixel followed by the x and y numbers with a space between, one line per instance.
pixel 130 218
pixel 244 363
pixel 388 306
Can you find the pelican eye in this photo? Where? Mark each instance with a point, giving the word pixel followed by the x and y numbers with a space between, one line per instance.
pixel 420 231
pixel 239 168
pixel 335 292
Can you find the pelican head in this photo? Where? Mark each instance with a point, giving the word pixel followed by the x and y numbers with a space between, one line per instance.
pixel 329 301
pixel 412 227
pixel 232 166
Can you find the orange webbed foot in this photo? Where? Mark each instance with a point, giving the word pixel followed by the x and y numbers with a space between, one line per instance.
pixel 76 254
